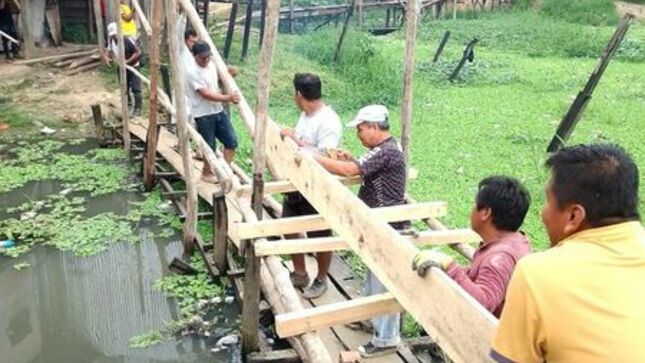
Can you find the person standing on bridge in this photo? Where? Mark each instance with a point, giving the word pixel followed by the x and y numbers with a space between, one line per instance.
pixel 582 299
pixel 318 128
pixel 206 106
pixel 132 56
pixel 500 207
pixel 384 178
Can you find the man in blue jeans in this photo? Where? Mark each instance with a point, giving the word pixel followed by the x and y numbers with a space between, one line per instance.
pixel 206 105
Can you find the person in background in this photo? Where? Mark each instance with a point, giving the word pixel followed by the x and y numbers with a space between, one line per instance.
pixel 132 55
pixel 128 24
pixel 318 129
pixel 582 299
pixel 8 26
pixel 500 207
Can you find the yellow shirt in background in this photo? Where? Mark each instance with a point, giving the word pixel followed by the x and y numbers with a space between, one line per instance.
pixel 581 301
pixel 129 27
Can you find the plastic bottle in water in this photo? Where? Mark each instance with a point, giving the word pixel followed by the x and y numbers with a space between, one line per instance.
pixel 7 243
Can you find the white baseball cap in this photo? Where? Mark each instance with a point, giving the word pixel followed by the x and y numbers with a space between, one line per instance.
pixel 111 29
pixel 371 113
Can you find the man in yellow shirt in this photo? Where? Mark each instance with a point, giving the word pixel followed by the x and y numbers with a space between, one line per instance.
pixel 582 299
pixel 128 24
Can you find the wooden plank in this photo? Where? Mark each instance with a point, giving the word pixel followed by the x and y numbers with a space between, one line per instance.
pixel 411 22
pixel 461 326
pixel 52 16
pixel 317 222
pixel 74 54
pixel 284 186
pixel 274 356
pixel 326 244
pixel 339 313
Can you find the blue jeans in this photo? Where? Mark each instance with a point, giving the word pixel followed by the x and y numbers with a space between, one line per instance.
pixel 386 327
pixel 217 126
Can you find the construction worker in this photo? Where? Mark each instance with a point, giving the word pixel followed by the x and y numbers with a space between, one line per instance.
pixel 500 207
pixel 384 178
pixel 318 129
pixel 582 299
pixel 127 21
pixel 132 55
pixel 206 106
pixel 8 26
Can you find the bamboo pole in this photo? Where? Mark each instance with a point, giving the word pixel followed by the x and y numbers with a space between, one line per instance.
pixel 13 40
pixel 151 137
pixel 251 312
pixel 291 24
pixel 350 12
pixel 142 17
pixel 124 82
pixel 25 23
pixel 190 225
pixel 412 16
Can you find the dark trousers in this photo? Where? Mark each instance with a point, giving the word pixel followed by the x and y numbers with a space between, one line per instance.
pixel 7 45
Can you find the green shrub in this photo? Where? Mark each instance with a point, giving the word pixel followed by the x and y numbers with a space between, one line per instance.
pixel 589 12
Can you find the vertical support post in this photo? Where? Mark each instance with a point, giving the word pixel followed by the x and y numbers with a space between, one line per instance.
pixel 231 30
pixel 190 224
pixel 454 10
pixel 220 228
pixel 350 12
pixel 251 313
pixel 412 15
pixel 151 137
pixel 124 82
pixel 387 18
pixel 100 30
pixel 25 23
pixel 206 6
pixel 165 81
pixel 98 123
pixel 360 13
pixel 263 10
pixel 292 27
pixel 247 28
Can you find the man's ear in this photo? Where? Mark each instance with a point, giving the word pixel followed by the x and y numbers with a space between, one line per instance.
pixel 577 215
pixel 486 214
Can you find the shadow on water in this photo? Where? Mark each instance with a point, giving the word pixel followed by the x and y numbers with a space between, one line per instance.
pixel 65 308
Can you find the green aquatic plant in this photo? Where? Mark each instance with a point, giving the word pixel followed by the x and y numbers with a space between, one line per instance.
pixel 148 339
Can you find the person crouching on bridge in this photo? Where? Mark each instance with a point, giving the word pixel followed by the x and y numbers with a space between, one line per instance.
pixel 582 299
pixel 318 128
pixel 500 207
pixel 206 106
pixel 384 177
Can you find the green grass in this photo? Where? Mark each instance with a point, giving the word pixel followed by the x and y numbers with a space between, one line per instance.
pixel 591 12
pixel 500 115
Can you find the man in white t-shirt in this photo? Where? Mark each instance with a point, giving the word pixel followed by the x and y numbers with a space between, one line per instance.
pixel 318 129
pixel 206 106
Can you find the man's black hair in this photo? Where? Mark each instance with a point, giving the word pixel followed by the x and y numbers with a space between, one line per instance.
pixel 308 85
pixel 602 178
pixel 507 199
pixel 190 32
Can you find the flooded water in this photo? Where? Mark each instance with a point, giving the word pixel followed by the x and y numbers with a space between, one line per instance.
pixel 65 308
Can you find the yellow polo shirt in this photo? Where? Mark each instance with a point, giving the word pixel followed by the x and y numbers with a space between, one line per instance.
pixel 129 27
pixel 581 301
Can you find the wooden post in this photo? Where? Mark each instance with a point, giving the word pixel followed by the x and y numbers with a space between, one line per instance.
pixel 220 229
pixel 190 225
pixel 100 30
pixel 454 10
pixel 165 82
pixel 250 313
pixel 350 12
pixel 263 10
pixel 442 44
pixel 206 6
pixel 123 80
pixel 247 28
pixel 360 13
pixel 412 15
pixel 98 123
pixel 230 31
pixel 151 137
pixel 25 29
pixel 292 27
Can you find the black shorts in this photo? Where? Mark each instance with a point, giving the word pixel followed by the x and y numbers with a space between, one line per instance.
pixel 295 205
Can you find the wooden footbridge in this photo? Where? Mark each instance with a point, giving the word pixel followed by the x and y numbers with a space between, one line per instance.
pixel 246 215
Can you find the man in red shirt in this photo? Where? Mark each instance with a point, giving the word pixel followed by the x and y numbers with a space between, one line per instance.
pixel 500 207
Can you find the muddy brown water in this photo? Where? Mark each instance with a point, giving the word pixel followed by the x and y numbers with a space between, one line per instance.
pixel 65 308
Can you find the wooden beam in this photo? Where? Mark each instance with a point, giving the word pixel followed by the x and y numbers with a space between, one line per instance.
pixel 316 222
pixel 125 117
pixel 325 316
pixel 27 35
pixel 152 137
pixel 190 225
pixel 453 318
pixel 411 21
pixel 100 28
pixel 142 16
pixel 325 244
pixel 284 186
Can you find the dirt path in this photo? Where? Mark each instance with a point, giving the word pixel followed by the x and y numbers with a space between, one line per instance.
pixel 637 10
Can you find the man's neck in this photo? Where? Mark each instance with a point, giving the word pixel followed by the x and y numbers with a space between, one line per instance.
pixel 493 234
pixel 311 107
pixel 386 135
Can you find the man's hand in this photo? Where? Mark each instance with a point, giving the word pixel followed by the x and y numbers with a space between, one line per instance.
pixel 344 155
pixel 233 71
pixel 234 97
pixel 429 258
pixel 287 132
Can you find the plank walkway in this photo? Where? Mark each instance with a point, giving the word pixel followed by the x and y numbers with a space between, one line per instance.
pixel 343 286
